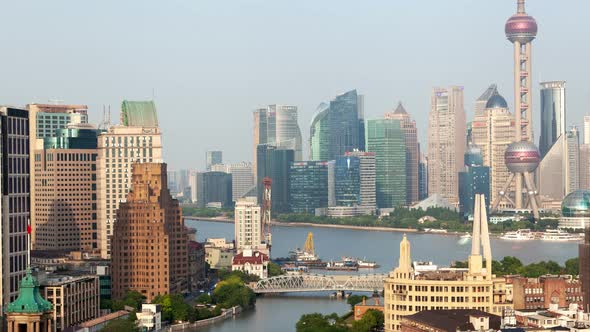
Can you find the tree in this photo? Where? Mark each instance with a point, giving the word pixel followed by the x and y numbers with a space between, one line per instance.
pixel 131 299
pixel 354 299
pixel 173 307
pixel 372 320
pixel 319 323
pixel 274 270
pixel 572 266
pixel 232 292
pixel 119 325
pixel 204 298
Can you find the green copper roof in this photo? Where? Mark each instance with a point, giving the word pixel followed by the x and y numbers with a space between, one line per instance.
pixel 29 299
pixel 139 114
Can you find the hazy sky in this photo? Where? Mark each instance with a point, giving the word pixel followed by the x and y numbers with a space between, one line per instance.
pixel 212 62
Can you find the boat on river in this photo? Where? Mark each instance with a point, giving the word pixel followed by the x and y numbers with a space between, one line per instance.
pixel 519 235
pixel 558 235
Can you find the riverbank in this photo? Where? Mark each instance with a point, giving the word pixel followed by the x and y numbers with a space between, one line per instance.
pixel 229 313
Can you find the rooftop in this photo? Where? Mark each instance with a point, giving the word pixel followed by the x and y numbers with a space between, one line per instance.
pixel 105 318
pixel 139 114
pixel 452 320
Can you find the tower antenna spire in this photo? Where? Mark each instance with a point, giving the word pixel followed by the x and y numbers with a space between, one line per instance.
pixel 520 7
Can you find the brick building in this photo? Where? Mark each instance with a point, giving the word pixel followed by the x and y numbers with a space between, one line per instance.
pixel 539 293
pixel 374 303
pixel 149 240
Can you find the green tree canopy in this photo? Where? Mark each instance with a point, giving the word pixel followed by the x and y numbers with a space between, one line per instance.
pixel 354 299
pixel 319 323
pixel 131 299
pixel 119 325
pixel 372 320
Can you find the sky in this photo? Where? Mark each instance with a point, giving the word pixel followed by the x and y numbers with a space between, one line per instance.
pixel 209 64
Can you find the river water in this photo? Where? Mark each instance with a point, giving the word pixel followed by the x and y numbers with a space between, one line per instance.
pixel 281 312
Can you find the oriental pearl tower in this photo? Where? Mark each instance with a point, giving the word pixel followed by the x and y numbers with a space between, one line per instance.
pixel 522 156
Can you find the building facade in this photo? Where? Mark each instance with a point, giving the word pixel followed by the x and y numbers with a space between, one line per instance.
pixel 66 200
pixel 251 262
pixel 275 163
pixel 214 187
pixel 386 139
pixel 75 299
pixel 16 201
pixel 423 177
pixel 213 158
pixel 575 210
pixel 446 142
pixel 584 259
pixel 407 293
pixel 475 179
pixel 408 126
pixel 150 240
pixel 354 180
pixel 559 171
pixel 308 186
pixel 247 225
pixel 118 149
pixel 51 117
pixel 492 131
pixel 242 179
pixel 542 292
pixel 553 120
pixel 319 141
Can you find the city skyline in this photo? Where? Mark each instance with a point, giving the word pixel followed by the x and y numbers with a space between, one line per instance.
pixel 383 74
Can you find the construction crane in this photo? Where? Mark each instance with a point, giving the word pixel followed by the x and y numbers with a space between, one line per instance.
pixel 308 247
pixel 266 211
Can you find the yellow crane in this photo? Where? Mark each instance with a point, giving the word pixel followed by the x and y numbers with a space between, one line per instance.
pixel 308 247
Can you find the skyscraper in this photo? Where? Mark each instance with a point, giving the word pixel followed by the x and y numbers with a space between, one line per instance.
pixel 213 158
pixel 521 30
pixel 336 128
pixel 354 180
pixel 150 240
pixel 559 171
pixel 480 103
pixel 475 179
pixel 247 225
pixel 492 131
pixel 50 117
pixel 587 129
pixel 423 177
pixel 277 125
pixel 412 154
pixel 274 163
pixel 66 180
pixel 386 139
pixel 446 142
pixel 15 209
pixel 308 186
pixel 242 179
pixel 584 257
pixel 553 119
pixel 214 187
pixel 119 148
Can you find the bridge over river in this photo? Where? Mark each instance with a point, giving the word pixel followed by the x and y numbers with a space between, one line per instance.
pixel 320 282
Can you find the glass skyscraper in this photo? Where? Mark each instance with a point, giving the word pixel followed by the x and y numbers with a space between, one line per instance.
pixel 475 179
pixel 308 186
pixel 274 163
pixel 386 139
pixel 354 179
pixel 552 114
pixel 336 129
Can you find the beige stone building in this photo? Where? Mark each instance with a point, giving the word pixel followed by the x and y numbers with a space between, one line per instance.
pixel 492 131
pixel 75 299
pixel 149 239
pixel 407 292
pixel 118 149
pixel 446 142
pixel 248 225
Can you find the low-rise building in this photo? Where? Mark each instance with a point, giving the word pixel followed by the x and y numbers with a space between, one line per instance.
pixel 219 253
pixel 251 262
pixel 451 320
pixel 98 323
pixel 196 265
pixel 75 298
pixel 150 317
pixel 540 293
pixel 360 309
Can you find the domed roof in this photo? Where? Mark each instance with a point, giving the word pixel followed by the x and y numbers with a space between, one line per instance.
pixel 576 204
pixel 496 101
pixel 521 27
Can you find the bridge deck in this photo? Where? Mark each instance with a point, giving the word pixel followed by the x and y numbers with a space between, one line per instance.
pixel 319 282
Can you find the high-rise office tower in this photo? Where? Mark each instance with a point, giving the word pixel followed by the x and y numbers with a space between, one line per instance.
pixel 336 128
pixel 584 257
pixel 587 129
pixel 308 186
pixel 66 181
pixel 354 180
pixel 149 244
pixel 553 119
pixel 213 158
pixel 15 209
pixel 277 125
pixel 423 177
pixel 446 142
pixel 247 225
pixel 492 131
pixel 475 179
pixel 521 30
pixel 386 139
pixel 585 166
pixel 481 102
pixel 274 162
pixel 214 188
pixel 412 154
pixel 50 117
pixel 242 179
pixel 559 171
pixel 118 149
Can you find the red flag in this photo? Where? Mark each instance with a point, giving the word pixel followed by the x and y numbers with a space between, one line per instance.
pixel 29 229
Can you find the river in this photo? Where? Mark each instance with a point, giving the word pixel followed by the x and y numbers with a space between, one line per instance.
pixel 280 313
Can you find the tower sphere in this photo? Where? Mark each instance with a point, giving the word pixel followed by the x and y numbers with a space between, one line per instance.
pixel 522 157
pixel 521 27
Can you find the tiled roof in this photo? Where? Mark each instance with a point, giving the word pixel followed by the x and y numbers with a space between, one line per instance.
pixel 453 320
pixel 256 258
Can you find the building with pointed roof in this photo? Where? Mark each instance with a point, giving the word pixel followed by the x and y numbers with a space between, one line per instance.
pixel 412 150
pixel 408 291
pixel 30 312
